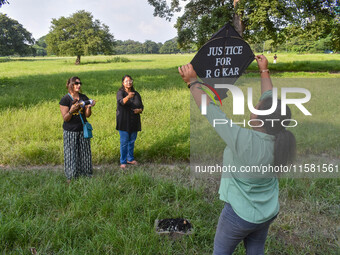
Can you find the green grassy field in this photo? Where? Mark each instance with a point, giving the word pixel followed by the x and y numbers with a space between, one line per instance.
pixel 114 212
pixel 32 87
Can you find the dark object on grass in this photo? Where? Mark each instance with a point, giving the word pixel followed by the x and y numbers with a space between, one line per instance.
pixel 173 227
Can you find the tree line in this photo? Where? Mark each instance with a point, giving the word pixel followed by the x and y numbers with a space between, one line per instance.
pixel 281 21
pixel 148 47
pixel 121 47
pixel 275 25
pixel 77 35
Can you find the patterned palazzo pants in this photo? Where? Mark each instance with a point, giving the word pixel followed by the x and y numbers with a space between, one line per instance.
pixel 77 155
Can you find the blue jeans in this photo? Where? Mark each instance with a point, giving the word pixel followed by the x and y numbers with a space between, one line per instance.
pixel 232 229
pixel 127 145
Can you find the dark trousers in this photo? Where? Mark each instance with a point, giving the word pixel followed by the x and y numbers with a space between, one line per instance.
pixel 77 155
pixel 232 229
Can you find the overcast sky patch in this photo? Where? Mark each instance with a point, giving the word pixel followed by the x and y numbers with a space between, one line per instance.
pixel 127 19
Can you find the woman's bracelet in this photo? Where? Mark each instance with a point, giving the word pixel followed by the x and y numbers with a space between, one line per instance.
pixel 264 70
pixel 194 82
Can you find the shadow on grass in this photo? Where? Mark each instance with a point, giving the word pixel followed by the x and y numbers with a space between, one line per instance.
pixel 165 150
pixel 143 60
pixel 3 60
pixel 102 62
pixel 84 62
pixel 116 59
pixel 113 60
pixel 30 90
pixel 302 66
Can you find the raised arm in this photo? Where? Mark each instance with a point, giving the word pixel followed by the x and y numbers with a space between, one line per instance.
pixel 266 82
pixel 124 100
pixel 189 76
pixel 229 133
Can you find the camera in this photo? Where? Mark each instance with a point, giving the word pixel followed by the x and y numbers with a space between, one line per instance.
pixel 86 102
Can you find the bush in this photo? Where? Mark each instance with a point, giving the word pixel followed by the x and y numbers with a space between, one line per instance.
pixel 118 59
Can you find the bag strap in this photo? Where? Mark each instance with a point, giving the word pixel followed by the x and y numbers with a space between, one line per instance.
pixel 70 96
pixel 82 121
pixel 81 118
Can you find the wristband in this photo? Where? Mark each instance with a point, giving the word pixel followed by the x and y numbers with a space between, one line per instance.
pixel 264 70
pixel 194 82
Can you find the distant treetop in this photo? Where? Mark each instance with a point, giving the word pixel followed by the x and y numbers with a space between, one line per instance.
pixel 79 35
pixel 2 2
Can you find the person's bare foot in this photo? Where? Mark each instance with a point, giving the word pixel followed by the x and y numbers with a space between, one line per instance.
pixel 123 166
pixel 133 162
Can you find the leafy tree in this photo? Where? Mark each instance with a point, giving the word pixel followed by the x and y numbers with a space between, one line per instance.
pixel 39 51
pixel 255 20
pixel 150 47
pixel 79 35
pixel 133 47
pixel 42 42
pixel 40 46
pixel 128 47
pixel 335 24
pixel 159 45
pixel 169 47
pixel 2 2
pixel 14 38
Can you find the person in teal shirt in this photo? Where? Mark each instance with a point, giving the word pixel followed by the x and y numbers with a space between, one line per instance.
pixel 251 199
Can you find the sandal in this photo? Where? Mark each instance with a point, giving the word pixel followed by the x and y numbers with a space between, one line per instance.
pixel 133 162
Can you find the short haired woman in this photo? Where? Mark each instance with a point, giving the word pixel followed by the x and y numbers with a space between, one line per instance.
pixel 129 108
pixel 77 149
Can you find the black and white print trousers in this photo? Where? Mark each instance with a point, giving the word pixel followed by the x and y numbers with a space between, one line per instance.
pixel 77 155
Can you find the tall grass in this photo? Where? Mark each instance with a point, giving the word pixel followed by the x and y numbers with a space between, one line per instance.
pixel 31 122
pixel 291 62
pixel 114 213
pixel 30 108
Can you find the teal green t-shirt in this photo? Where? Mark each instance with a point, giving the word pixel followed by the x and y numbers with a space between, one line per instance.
pixel 253 196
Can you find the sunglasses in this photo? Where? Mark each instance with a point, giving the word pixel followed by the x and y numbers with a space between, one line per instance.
pixel 128 82
pixel 77 83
